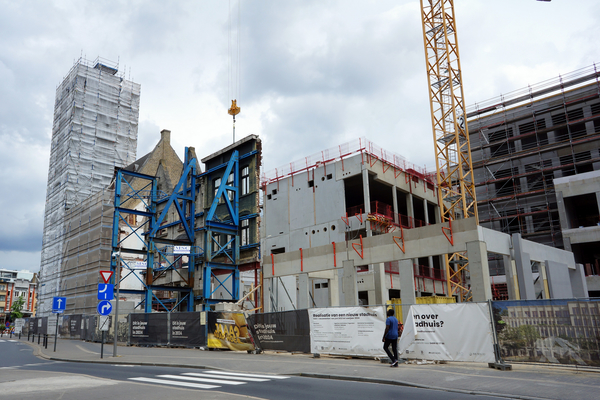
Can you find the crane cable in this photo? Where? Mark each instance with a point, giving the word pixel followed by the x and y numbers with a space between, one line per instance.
pixel 233 72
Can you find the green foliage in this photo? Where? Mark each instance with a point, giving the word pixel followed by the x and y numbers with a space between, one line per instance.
pixel 499 324
pixel 521 337
pixel 2 327
pixel 17 306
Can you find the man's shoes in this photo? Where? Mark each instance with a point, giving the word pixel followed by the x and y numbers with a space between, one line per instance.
pixel 394 364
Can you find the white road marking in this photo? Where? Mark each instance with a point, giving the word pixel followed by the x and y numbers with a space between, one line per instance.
pixel 205 380
pixel 238 378
pixel 174 383
pixel 246 375
pixel 87 351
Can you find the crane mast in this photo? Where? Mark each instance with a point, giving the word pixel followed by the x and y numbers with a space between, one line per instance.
pixel 456 187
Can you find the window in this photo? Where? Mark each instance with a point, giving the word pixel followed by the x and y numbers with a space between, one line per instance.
pixel 245 232
pixel 245 184
pixel 2 298
pixel 215 243
pixel 230 183
pixel 216 184
pixel 131 219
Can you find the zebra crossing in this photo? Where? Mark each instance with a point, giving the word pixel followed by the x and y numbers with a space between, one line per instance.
pixel 208 379
pixel 7 340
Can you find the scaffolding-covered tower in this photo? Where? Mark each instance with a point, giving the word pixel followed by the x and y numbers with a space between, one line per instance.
pixel 94 130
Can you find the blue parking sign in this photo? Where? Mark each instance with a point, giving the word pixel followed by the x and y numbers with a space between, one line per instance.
pixel 59 304
pixel 105 291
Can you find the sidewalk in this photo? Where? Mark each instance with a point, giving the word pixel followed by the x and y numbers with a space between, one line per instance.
pixel 525 381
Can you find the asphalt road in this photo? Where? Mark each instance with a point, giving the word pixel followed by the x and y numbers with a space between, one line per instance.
pixel 24 376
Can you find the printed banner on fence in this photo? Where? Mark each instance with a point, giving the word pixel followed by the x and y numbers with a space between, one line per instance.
pixel 347 330
pixel 282 330
pixel 451 332
pixel 227 330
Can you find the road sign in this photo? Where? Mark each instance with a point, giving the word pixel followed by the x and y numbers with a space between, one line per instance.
pixel 104 307
pixel 59 304
pixel 106 275
pixel 19 323
pixel 105 291
pixel 104 323
pixel 51 325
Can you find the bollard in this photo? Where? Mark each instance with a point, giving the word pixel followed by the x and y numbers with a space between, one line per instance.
pixel 11 334
pixel 46 337
pixel 28 336
pixel 19 335
pixel 39 337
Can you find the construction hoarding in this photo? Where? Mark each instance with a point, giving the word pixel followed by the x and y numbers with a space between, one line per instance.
pixel 283 330
pixel 448 332
pixel 347 330
pixel 228 330
pixel 560 331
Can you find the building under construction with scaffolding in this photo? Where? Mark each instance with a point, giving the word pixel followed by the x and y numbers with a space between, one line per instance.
pixel 521 142
pixel 94 130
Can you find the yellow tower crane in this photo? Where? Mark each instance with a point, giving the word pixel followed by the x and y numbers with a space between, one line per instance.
pixel 456 187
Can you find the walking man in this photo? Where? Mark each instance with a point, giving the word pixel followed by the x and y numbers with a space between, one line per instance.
pixel 390 336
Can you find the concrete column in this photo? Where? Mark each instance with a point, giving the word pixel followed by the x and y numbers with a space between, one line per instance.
pixel 303 292
pixel 598 201
pixel 407 286
pixel 426 211
pixel 562 212
pixel 559 282
pixel 524 274
pixel 578 282
pixel 349 286
pixel 335 286
pixel 269 296
pixel 381 293
pixel 479 271
pixel 415 261
pixel 511 281
pixel 395 204
pixel 409 205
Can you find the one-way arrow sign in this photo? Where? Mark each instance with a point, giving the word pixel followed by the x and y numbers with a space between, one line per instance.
pixel 106 275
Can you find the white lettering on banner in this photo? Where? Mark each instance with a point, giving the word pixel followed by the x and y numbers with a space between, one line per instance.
pixel 451 332
pixel 347 330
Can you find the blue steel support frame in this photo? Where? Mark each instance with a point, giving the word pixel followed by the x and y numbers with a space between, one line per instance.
pixel 228 253
pixel 183 199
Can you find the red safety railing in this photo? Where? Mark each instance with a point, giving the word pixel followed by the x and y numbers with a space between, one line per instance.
pixel 423 271
pixel 387 211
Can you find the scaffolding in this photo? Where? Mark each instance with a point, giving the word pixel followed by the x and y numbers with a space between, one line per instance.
pixel 522 141
pixel 94 130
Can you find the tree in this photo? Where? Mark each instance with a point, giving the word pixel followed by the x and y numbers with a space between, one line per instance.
pixel 17 306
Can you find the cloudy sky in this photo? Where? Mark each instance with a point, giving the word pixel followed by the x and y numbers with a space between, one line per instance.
pixel 314 74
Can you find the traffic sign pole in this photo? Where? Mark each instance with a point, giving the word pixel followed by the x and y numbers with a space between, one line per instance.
pixel 56 334
pixel 116 324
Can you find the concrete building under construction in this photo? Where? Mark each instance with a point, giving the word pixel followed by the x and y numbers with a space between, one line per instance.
pixel 359 225
pixel 523 143
pixel 95 130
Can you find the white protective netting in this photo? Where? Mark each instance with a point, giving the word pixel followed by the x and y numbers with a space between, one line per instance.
pixel 95 130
